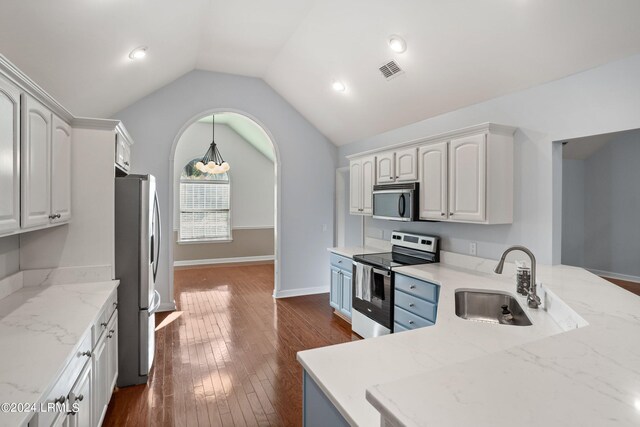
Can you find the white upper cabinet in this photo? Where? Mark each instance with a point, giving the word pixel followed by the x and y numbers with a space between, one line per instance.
pixel 368 180
pixel 467 178
pixel 355 186
pixel 60 171
pixel 35 161
pixel 433 169
pixel 385 165
pixel 123 152
pixel 406 165
pixel 362 174
pixel 464 175
pixel 9 157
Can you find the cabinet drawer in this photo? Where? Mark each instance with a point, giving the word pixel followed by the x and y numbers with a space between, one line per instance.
pixel 416 305
pixel 341 262
pixel 62 386
pixel 415 287
pixel 101 322
pixel 397 327
pixel 409 320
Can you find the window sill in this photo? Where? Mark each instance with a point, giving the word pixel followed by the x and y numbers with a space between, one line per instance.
pixel 203 242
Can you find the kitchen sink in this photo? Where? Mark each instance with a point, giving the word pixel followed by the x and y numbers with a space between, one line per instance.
pixel 490 307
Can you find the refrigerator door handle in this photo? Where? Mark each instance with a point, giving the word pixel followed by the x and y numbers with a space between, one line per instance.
pixel 156 249
pixel 156 303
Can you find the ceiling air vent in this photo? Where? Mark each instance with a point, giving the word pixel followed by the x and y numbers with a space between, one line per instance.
pixel 390 70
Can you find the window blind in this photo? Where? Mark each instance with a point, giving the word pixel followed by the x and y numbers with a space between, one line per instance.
pixel 204 210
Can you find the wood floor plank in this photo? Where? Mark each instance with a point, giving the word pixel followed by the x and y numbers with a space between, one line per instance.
pixel 229 358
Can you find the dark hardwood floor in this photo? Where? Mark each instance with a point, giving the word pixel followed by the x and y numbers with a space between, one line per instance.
pixel 630 286
pixel 227 357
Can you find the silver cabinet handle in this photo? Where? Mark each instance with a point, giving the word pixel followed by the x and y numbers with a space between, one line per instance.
pixel 411 305
pixel 390 177
pixel 442 214
pixel 52 216
pixel 60 399
pixel 80 397
pixel 340 262
pixel 412 287
pixel 126 163
pixel 86 353
pixel 110 335
pixel 411 322
pixel 103 324
pixel 450 213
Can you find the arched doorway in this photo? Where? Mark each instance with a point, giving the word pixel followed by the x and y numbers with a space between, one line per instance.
pixel 251 125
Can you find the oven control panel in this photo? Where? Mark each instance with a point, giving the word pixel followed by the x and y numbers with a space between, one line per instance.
pixel 415 241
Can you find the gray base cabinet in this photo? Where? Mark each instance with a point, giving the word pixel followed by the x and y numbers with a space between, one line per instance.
pixel 415 303
pixel 317 409
pixel 341 284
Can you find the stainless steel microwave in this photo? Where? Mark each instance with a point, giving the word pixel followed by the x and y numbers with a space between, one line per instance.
pixel 396 202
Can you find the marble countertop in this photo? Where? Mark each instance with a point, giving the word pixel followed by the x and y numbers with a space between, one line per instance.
pixel 350 251
pixel 460 372
pixel 40 330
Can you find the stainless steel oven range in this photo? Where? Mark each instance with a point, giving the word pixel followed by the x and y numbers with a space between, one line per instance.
pixel 373 280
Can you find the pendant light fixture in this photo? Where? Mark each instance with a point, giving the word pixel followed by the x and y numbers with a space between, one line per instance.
pixel 212 161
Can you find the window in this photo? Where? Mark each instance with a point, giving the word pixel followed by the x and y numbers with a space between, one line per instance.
pixel 205 213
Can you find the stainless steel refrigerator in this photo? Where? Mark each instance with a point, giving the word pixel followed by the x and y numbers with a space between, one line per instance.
pixel 137 250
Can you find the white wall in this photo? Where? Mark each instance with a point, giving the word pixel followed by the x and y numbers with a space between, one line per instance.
pixel 307 164
pixel 9 256
pixel 573 186
pixel 252 174
pixel 601 100
pixel 88 239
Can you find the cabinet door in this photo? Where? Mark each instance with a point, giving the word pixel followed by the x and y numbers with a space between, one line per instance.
pixel 385 168
pixel 35 161
pixel 60 171
pixel 467 178
pixel 112 357
pixel 345 304
pixel 355 186
pixel 407 165
pixel 99 385
pixel 368 179
pixel 335 292
pixel 82 395
pixel 433 181
pixel 9 157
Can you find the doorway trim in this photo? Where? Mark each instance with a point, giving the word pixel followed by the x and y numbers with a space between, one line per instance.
pixel 277 192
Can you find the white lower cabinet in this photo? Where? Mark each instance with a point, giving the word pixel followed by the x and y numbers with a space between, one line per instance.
pixel 83 394
pixel 87 382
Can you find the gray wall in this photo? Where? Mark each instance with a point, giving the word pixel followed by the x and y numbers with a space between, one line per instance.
pixel 573 213
pixel 246 243
pixel 9 256
pixel 307 160
pixel 610 186
pixel 601 100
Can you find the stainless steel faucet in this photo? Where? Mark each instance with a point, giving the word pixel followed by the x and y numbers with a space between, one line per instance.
pixel 533 300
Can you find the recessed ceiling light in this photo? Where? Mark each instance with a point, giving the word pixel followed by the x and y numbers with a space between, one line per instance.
pixel 138 53
pixel 397 43
pixel 338 86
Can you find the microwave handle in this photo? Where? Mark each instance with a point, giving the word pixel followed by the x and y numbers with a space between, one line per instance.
pixel 401 206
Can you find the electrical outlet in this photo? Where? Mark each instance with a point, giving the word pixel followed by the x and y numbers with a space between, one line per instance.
pixel 473 248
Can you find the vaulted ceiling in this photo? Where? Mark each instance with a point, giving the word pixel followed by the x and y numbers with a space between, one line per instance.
pixel 460 52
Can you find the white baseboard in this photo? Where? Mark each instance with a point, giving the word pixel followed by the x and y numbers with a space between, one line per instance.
pixel 287 293
pixel 167 306
pixel 611 275
pixel 213 261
